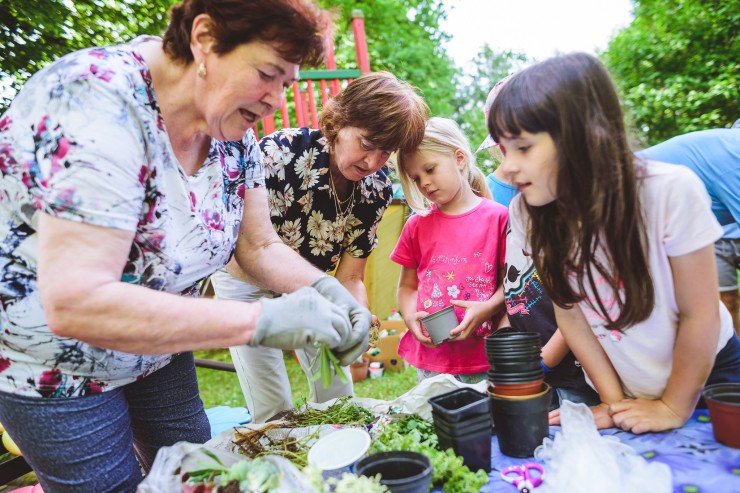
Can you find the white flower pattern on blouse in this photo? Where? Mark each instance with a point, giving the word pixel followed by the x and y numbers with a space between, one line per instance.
pixel 84 140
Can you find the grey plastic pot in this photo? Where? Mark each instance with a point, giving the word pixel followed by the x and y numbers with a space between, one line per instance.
pixel 440 323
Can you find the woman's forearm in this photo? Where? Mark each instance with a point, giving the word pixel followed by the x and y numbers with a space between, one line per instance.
pixel 139 320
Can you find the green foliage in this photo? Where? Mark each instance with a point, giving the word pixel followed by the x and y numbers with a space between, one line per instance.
pixel 34 33
pixel 404 38
pixel 488 68
pixel 678 65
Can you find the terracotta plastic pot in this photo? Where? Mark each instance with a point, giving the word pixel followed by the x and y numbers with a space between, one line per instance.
pixel 525 388
pixel 544 388
pixel 359 370
pixel 723 402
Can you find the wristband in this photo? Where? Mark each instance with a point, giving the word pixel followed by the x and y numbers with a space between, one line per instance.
pixel 545 368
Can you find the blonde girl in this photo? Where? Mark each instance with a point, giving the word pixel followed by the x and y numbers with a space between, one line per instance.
pixel 451 252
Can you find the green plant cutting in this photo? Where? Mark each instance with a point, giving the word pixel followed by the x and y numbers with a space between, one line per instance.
pixel 328 365
pixel 256 476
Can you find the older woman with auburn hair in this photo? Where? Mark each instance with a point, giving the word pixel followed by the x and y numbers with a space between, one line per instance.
pixel 328 189
pixel 128 173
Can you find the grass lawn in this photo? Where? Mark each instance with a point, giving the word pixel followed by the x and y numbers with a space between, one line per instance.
pixel 221 388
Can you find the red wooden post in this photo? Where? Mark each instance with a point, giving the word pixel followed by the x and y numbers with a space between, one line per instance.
pixel 284 114
pixel 358 29
pixel 268 124
pixel 322 90
pixel 304 108
pixel 300 120
pixel 331 62
pixel 312 104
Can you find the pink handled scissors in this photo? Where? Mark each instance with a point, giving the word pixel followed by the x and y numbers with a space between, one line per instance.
pixel 522 476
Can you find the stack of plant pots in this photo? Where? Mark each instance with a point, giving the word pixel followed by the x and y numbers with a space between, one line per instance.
pixel 520 399
pixel 462 420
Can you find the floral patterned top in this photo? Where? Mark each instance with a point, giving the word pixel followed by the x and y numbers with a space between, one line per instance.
pixel 302 205
pixel 85 141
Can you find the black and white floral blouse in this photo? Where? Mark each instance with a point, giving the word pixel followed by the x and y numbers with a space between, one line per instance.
pixel 304 212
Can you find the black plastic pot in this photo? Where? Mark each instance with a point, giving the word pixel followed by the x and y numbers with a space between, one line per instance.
pixel 515 367
pixel 400 471
pixel 480 423
pixel 533 350
pixel 497 376
pixel 473 447
pixel 500 337
pixel 460 404
pixel 521 425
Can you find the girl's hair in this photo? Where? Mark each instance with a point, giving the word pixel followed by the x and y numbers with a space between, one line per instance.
pixel 442 136
pixel 573 99
pixel 295 28
pixel 390 110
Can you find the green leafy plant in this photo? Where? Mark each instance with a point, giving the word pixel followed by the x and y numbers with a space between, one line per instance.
pixel 256 476
pixel 413 433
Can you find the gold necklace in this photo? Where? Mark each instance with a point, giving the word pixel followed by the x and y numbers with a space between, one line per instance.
pixel 342 207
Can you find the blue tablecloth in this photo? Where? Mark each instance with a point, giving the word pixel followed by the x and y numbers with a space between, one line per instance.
pixel 699 463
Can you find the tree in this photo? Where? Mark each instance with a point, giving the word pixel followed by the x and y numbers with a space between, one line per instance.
pixel 404 38
pixel 34 33
pixel 488 68
pixel 677 65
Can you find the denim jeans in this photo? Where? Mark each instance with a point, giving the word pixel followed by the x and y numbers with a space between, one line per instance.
pixel 91 443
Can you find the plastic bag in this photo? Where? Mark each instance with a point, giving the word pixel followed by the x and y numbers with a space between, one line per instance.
pixel 415 401
pixel 579 459
pixel 189 457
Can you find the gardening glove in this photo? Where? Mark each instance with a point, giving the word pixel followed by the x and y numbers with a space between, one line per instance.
pixel 300 319
pixel 355 344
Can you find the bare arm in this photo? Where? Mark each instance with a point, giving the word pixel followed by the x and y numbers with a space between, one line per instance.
pixel 695 281
pixel 408 286
pixel 260 257
pixel 582 341
pixel 554 350
pixel 351 273
pixel 79 272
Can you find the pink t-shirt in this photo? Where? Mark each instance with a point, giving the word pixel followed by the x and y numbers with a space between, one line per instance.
pixel 456 258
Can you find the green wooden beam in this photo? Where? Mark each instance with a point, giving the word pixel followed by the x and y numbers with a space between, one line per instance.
pixel 329 74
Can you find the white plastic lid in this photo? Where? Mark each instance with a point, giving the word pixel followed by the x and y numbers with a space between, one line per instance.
pixel 339 448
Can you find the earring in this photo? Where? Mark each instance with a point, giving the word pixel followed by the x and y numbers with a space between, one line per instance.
pixel 201 70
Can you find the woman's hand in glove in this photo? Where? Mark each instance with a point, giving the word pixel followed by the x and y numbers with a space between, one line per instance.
pixel 300 319
pixel 356 342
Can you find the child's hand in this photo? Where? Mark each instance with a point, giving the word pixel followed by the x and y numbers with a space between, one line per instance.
pixel 476 314
pixel 645 415
pixel 418 330
pixel 600 412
